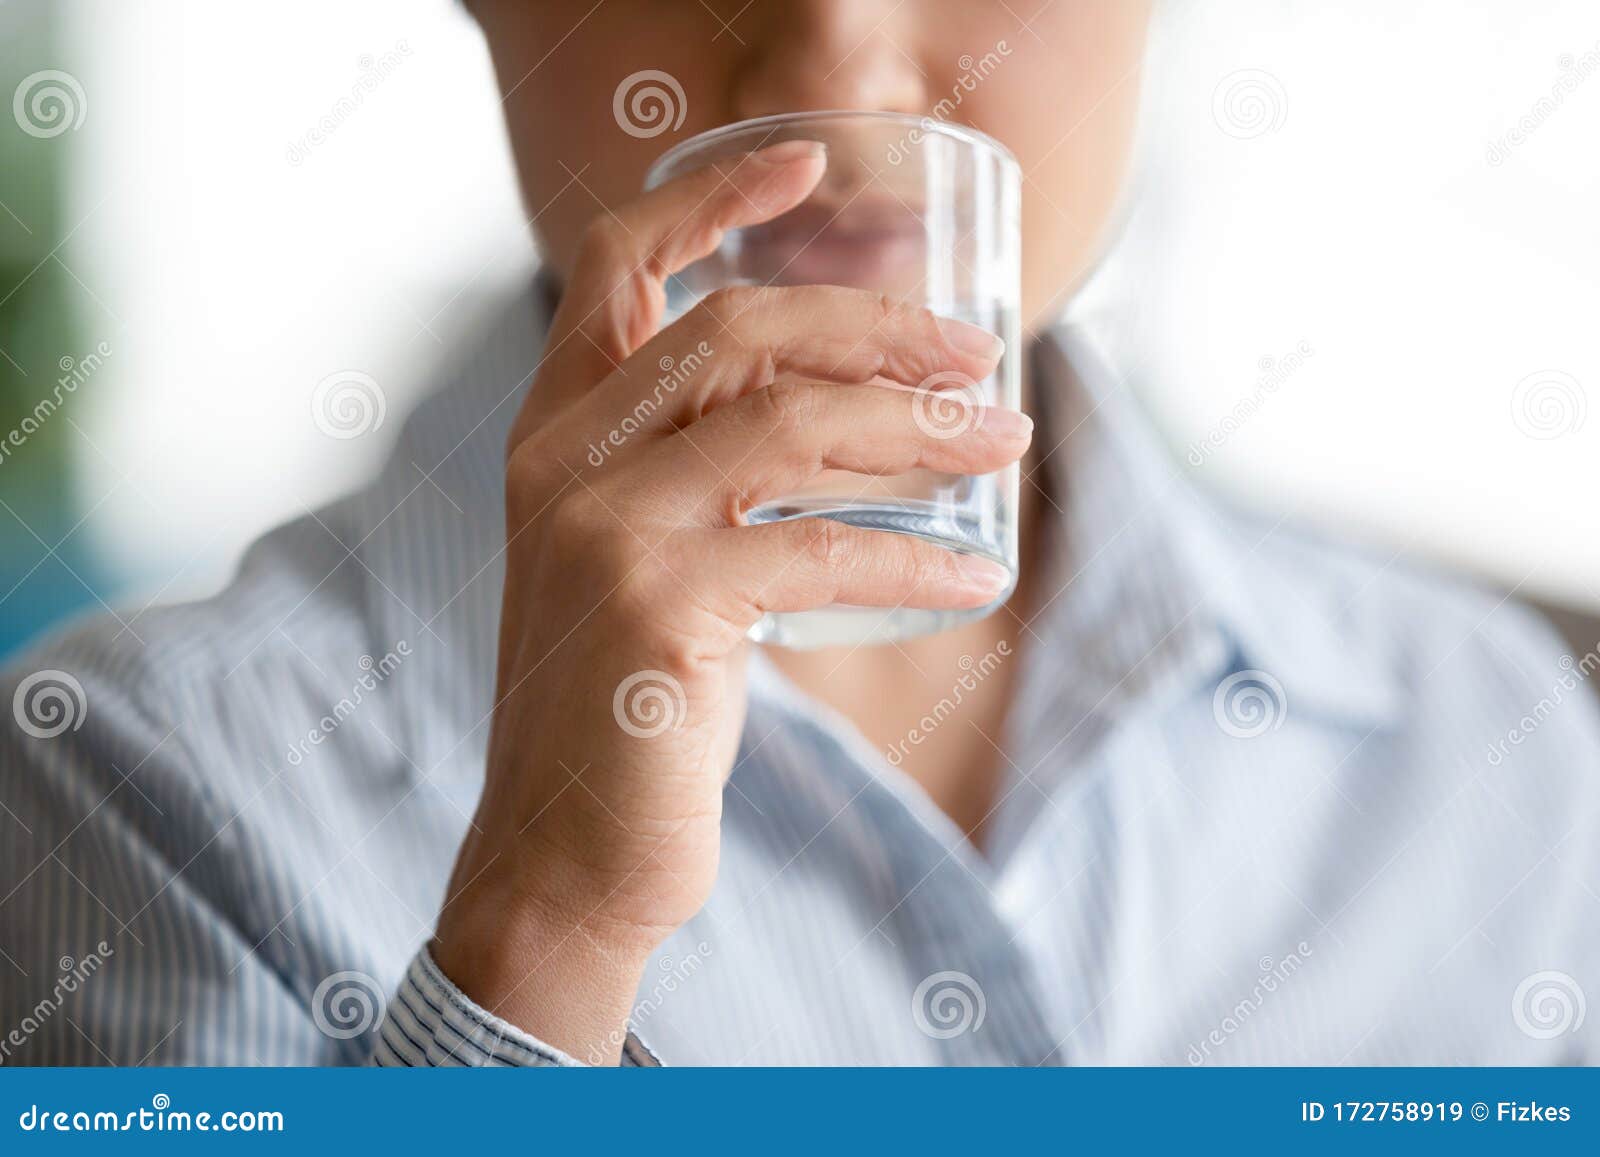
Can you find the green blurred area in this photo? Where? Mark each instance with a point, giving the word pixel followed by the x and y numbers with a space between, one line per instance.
pixel 46 568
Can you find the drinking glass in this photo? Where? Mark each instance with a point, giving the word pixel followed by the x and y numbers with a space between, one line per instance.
pixel 928 214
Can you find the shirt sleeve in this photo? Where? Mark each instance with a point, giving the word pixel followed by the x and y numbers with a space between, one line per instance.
pixel 144 913
pixel 119 937
pixel 431 1022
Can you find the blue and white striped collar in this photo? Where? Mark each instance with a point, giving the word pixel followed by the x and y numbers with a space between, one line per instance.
pixel 1158 583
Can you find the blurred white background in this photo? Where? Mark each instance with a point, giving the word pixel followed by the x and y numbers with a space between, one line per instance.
pixel 233 264
pixel 1345 192
pixel 1361 197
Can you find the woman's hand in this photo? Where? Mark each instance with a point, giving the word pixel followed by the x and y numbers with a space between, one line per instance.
pixel 631 581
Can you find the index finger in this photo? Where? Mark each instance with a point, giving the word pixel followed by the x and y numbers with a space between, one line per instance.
pixel 617 294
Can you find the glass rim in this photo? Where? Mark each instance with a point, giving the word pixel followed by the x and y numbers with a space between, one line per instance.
pixel 923 122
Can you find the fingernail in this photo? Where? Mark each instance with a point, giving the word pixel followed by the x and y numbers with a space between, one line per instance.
pixel 1005 423
pixel 788 152
pixel 971 339
pixel 982 575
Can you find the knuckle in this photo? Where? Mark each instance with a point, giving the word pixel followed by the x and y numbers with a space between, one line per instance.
pixel 784 406
pixel 919 326
pixel 528 469
pixel 727 306
pixel 654 266
pixel 584 537
pixel 575 516
pixel 604 239
pixel 707 609
pixel 886 308
pixel 926 322
pixel 637 591
pixel 578 539
pixel 670 627
pixel 823 541
pixel 903 322
pixel 875 309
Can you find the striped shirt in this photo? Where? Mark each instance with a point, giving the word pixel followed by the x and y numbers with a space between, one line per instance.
pixel 1267 800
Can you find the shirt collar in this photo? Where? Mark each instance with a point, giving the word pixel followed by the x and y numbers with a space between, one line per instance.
pixel 1154 588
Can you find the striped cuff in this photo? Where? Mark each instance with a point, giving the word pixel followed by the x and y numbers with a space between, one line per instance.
pixel 432 1023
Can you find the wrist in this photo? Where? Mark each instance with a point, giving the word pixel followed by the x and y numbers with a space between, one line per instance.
pixel 567 979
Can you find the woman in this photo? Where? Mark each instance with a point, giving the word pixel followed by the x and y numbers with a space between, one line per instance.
pixel 1219 795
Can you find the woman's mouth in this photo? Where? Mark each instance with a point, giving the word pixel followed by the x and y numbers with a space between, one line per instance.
pixel 868 242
